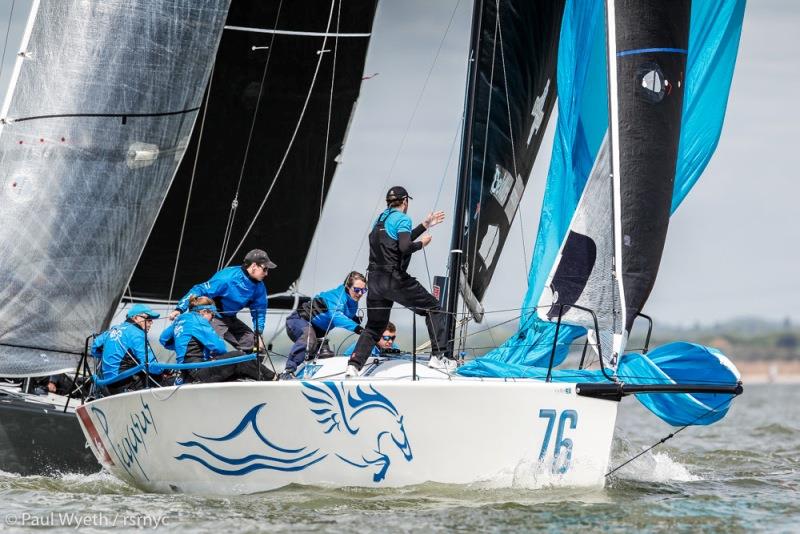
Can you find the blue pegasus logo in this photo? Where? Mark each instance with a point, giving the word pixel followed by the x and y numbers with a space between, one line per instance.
pixel 339 411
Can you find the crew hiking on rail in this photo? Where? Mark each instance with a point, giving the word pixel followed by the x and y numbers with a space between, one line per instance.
pixel 232 289
pixel 194 340
pixel 125 346
pixel 391 243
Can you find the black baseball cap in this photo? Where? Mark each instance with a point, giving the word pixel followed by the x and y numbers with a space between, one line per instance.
pixel 260 257
pixel 397 192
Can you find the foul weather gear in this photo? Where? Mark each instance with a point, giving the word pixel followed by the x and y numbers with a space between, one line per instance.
pixel 232 290
pixel 389 283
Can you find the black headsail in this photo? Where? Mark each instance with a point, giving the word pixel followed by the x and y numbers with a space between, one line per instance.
pixel 511 92
pixel 311 56
pixel 648 43
pixel 610 257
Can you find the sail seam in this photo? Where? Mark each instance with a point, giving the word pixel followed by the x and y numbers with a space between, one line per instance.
pixel 119 115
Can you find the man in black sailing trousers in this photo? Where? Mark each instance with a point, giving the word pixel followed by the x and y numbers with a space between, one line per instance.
pixel 391 243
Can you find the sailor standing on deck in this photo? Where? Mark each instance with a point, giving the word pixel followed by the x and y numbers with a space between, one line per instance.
pixel 391 243
pixel 233 289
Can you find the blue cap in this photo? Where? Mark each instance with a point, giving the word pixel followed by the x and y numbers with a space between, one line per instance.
pixel 142 309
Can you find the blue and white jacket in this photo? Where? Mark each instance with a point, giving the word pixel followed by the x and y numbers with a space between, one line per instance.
pixel 124 338
pixel 188 326
pixel 233 290
pixel 335 308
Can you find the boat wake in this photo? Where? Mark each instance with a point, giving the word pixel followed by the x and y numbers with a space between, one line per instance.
pixel 653 466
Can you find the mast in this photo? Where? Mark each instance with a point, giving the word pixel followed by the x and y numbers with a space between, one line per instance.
pixel 456 241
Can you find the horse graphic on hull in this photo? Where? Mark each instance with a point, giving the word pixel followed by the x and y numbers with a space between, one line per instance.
pixel 360 428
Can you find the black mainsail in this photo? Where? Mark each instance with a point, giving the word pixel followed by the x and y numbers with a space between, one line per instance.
pixel 511 93
pixel 284 86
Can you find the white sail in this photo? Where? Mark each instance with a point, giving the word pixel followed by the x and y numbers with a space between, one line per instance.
pixel 582 274
pixel 103 99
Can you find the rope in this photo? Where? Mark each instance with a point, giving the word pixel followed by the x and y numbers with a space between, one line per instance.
pixel 291 141
pixel 668 437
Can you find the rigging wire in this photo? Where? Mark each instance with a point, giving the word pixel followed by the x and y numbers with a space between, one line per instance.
pixel 671 435
pixel 327 137
pixel 291 140
pixel 235 202
pixel 191 186
pixel 459 130
pixel 485 141
pixel 5 41
pixel 513 144
pixel 408 128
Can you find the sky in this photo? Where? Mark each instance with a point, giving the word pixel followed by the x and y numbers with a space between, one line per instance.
pixel 733 247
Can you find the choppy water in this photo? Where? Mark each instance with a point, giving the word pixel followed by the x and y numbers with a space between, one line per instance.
pixel 739 475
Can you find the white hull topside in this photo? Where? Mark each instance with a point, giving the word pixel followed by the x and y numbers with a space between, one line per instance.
pixel 248 437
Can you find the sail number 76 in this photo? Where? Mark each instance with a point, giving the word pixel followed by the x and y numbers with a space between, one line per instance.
pixel 562 453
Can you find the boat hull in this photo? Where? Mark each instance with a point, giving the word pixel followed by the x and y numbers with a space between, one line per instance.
pixel 247 437
pixel 37 438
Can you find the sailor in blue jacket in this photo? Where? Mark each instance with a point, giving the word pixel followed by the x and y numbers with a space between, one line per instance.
pixel 386 344
pixel 124 346
pixel 335 308
pixel 194 340
pixel 233 289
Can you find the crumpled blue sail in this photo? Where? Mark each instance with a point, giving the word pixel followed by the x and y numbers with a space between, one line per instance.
pixel 582 122
pixel 673 363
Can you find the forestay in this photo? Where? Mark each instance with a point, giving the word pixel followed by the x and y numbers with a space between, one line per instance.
pixel 102 102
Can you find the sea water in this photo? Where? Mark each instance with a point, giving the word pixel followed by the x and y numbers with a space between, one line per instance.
pixel 738 475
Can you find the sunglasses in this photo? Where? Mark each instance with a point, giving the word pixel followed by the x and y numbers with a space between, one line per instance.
pixel 388 338
pixel 359 290
pixel 263 267
pixel 146 318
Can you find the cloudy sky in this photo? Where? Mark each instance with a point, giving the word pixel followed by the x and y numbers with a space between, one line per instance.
pixel 733 247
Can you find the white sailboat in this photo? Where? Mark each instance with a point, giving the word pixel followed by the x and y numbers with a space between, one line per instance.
pixel 407 419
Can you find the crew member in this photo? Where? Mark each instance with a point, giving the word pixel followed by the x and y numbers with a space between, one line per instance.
pixel 335 308
pixel 125 346
pixel 391 243
pixel 233 289
pixel 194 340
pixel 386 344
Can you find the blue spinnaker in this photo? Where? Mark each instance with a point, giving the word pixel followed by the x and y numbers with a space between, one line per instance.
pixel 674 363
pixel 582 122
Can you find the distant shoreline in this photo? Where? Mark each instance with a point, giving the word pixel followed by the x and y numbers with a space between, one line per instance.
pixel 769 372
